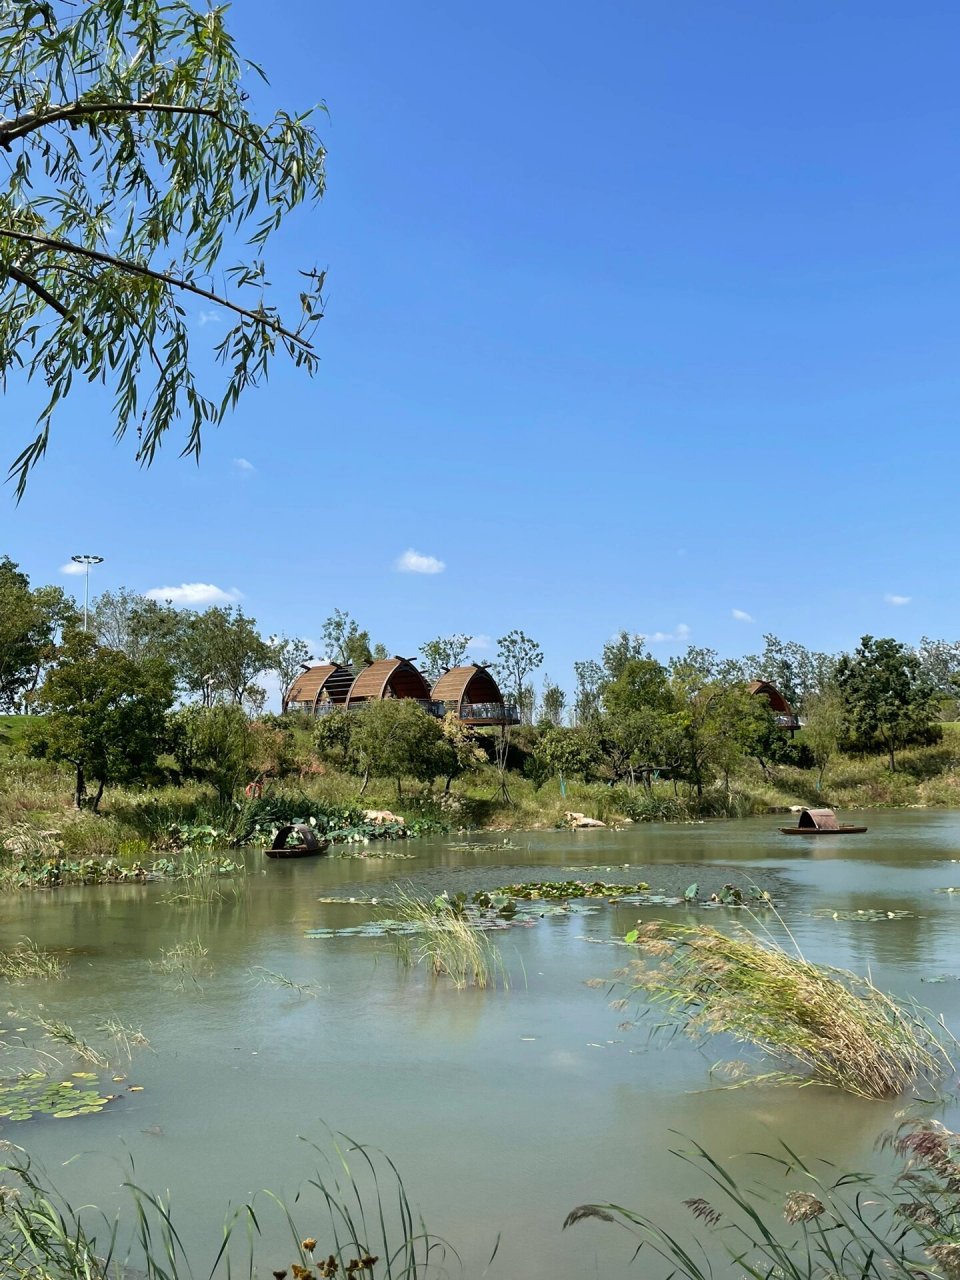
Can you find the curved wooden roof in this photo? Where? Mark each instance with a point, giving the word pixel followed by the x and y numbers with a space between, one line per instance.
pixel 326 680
pixel 764 689
pixel 394 677
pixel 467 684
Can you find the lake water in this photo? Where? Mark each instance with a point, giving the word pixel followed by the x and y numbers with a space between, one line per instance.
pixel 502 1109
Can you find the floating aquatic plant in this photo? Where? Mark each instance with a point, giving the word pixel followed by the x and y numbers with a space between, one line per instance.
pixel 35 1094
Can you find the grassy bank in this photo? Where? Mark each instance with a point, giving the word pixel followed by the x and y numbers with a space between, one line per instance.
pixel 174 828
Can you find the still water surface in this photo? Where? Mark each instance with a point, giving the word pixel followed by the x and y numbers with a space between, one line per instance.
pixel 502 1109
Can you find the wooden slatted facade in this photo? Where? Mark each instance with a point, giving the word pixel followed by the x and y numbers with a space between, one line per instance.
pixel 473 695
pixel 320 686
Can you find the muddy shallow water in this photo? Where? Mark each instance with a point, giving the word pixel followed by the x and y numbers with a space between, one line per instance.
pixel 503 1109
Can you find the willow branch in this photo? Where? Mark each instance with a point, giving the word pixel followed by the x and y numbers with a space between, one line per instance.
pixel 36 287
pixel 11 130
pixel 175 282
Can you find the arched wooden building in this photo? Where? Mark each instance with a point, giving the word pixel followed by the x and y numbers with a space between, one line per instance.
pixel 319 688
pixel 781 708
pixel 474 696
pixel 390 678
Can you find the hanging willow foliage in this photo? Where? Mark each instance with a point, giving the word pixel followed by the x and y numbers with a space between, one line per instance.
pixel 135 179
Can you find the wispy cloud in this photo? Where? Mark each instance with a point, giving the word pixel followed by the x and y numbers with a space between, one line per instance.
pixel 681 632
pixel 209 316
pixel 483 642
pixel 892 599
pixel 72 567
pixel 741 615
pixel 192 594
pixel 415 562
pixel 242 464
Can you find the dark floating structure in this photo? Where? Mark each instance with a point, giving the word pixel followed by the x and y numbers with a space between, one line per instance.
pixel 474 697
pixel 821 822
pixel 310 843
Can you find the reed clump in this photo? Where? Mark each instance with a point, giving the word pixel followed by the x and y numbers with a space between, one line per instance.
pixel 450 943
pixel 28 960
pixel 825 1025
pixel 826 1224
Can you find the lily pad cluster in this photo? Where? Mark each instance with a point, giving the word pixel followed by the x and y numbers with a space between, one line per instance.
pixel 36 1094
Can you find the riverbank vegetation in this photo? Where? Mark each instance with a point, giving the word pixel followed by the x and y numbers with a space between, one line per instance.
pixel 140 747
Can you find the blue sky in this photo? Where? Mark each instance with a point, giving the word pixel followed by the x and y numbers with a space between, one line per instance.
pixel 639 315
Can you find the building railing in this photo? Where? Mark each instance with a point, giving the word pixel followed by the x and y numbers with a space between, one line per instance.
pixel 492 712
pixel 787 722
pixel 498 712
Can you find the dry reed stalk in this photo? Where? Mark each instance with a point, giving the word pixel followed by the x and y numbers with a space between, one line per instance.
pixel 826 1025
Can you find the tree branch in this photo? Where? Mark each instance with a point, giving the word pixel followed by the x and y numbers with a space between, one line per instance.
pixel 175 282
pixel 36 287
pixel 11 130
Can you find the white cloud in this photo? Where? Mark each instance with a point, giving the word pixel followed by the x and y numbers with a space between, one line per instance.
pixel 480 642
pixel 414 562
pixel 891 599
pixel 72 567
pixel 210 316
pixel 242 464
pixel 741 615
pixel 681 633
pixel 191 594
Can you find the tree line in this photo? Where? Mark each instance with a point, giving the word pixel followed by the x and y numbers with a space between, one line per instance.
pixel 147 678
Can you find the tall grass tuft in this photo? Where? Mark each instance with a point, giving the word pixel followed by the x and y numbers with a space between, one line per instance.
pixel 360 1226
pixel 27 960
pixel 450 943
pixel 825 1225
pixel 824 1025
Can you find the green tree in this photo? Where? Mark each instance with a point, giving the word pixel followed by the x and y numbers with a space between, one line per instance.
pixel 105 714
pixel 590 681
pixel 397 739
pixel 567 753
pixel 347 644
pixel 794 670
pixel 215 744
pixel 889 701
pixel 553 700
pixel 823 727
pixel 623 648
pixel 517 657
pixel 442 653
pixel 31 622
pixel 288 658
pixel 137 626
pixel 135 170
pixel 222 654
pixel 638 727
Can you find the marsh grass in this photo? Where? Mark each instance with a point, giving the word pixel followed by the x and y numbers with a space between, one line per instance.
pixel 360 1225
pixel 826 1224
pixel 126 1038
pixel 269 977
pixel 62 1033
pixel 824 1025
pixel 185 962
pixel 449 943
pixel 28 961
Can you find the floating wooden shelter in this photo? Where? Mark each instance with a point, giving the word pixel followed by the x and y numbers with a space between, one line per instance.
pixel 782 711
pixel 394 677
pixel 473 695
pixel 319 688
pixel 821 822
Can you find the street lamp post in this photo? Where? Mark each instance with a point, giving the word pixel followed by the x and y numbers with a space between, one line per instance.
pixel 86 561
